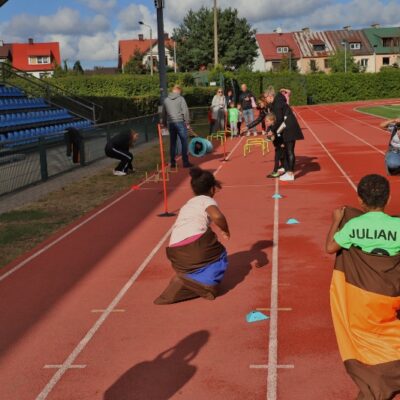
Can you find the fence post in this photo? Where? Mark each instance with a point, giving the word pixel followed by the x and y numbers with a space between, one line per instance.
pixel 146 130
pixel 43 159
pixel 82 155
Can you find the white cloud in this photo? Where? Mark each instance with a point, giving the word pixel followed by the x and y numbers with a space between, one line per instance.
pixel 100 6
pixel 95 38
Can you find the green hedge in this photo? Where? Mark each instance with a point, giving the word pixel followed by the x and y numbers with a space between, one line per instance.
pixel 124 96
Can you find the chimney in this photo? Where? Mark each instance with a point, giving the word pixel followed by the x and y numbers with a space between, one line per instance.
pixel 375 26
pixel 166 36
pixel 30 40
pixel 306 30
pixel 1 43
pixel 347 27
pixel 141 37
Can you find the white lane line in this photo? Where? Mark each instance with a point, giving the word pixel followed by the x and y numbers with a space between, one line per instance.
pixel 352 184
pixel 349 132
pixel 272 378
pixel 117 310
pixel 58 366
pixel 279 309
pixel 266 366
pixel 330 155
pixel 103 317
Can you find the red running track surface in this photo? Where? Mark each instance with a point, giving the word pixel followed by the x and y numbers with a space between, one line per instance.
pixel 78 320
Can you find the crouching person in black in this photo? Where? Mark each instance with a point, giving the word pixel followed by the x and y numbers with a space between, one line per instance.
pixel 118 148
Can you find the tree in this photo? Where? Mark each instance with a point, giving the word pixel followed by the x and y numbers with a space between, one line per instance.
pixel 77 68
pixel 287 64
pixel 65 65
pixel 341 58
pixel 194 38
pixel 135 64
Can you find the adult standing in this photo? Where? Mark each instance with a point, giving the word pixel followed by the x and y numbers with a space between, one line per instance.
pixel 288 126
pixel 247 102
pixel 175 115
pixel 218 109
pixel 392 157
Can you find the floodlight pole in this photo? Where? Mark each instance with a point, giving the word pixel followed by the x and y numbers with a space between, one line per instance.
pixel 215 33
pixel 151 46
pixel 162 70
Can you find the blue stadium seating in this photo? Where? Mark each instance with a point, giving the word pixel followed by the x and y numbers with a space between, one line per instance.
pixel 26 119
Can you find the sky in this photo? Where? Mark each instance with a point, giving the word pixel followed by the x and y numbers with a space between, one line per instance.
pixel 89 30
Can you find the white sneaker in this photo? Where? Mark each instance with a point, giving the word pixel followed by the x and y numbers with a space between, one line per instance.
pixel 281 170
pixel 286 177
pixel 119 173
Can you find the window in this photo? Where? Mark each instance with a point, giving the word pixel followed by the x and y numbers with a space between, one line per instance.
pixel 386 61
pixel 281 50
pixel 364 62
pixel 313 65
pixel 326 63
pixel 319 47
pixel 355 46
pixel 39 60
pixel 391 42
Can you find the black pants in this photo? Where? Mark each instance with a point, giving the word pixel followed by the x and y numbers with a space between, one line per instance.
pixel 290 157
pixel 125 158
pixel 280 160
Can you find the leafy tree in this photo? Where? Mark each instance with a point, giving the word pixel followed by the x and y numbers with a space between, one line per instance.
pixel 287 64
pixel 135 64
pixel 65 65
pixel 58 71
pixel 341 58
pixel 194 38
pixel 77 68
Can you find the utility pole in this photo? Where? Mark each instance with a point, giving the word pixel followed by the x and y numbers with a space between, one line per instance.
pixel 344 43
pixel 215 33
pixel 151 47
pixel 162 69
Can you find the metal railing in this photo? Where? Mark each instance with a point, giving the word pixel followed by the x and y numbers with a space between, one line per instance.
pixel 29 161
pixel 53 94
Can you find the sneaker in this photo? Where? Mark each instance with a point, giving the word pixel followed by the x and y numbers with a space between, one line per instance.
pixel 119 173
pixel 248 134
pixel 188 165
pixel 281 170
pixel 254 133
pixel 273 174
pixel 264 133
pixel 286 177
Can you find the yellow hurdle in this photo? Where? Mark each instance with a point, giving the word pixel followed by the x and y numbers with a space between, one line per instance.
pixel 217 136
pixel 258 142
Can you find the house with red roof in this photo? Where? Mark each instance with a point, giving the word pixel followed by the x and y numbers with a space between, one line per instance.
pixel 149 49
pixel 38 59
pixel 273 48
pixel 315 48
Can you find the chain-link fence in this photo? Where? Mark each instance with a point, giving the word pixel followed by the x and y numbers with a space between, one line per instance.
pixel 24 162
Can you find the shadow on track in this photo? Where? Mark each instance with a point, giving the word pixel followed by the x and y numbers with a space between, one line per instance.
pixel 240 265
pixel 161 378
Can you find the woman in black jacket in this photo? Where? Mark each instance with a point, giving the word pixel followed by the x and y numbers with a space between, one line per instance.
pixel 289 127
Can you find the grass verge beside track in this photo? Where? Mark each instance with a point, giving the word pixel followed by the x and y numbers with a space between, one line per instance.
pixel 386 111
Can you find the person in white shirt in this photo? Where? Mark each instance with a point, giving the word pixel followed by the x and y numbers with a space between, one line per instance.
pixel 196 254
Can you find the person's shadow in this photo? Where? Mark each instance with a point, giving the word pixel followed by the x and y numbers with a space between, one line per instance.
pixel 306 165
pixel 161 378
pixel 240 265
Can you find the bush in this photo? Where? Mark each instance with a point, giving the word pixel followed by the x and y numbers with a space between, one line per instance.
pixel 125 96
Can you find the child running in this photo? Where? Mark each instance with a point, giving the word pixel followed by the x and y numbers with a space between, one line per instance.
pixel 197 256
pixel 233 117
pixel 365 290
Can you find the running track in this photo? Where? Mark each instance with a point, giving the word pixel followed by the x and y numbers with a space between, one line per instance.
pixel 77 319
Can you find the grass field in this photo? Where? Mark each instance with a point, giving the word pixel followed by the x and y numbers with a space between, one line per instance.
pixel 386 111
pixel 22 229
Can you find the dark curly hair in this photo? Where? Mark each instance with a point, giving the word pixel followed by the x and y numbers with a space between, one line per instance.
pixel 202 181
pixel 374 191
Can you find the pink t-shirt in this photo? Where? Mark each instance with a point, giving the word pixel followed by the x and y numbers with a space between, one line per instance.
pixel 192 220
